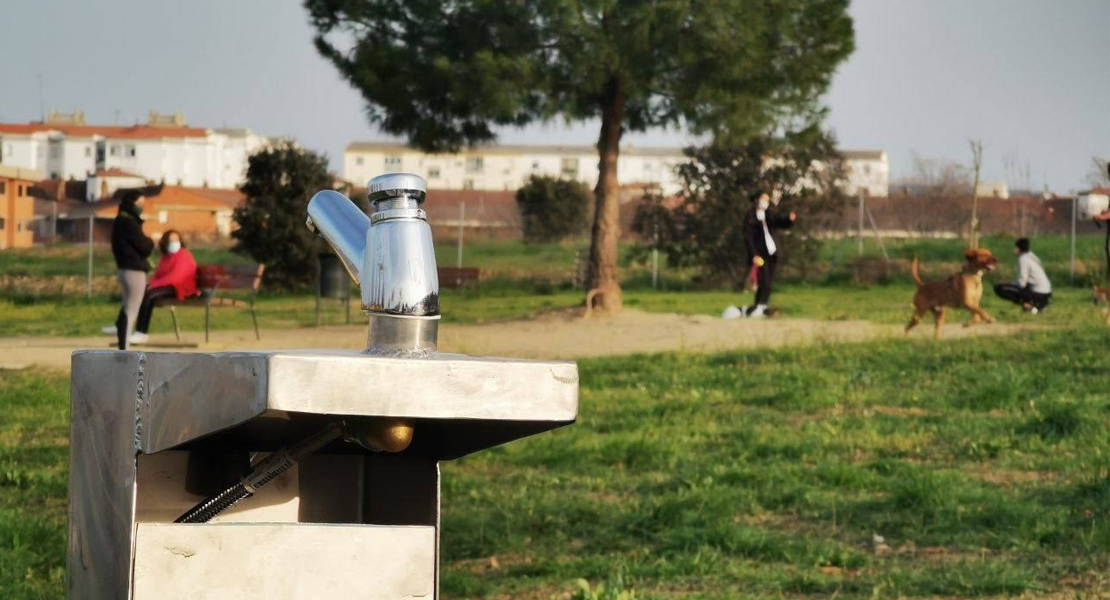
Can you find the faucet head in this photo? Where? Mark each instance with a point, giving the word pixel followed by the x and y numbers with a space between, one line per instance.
pixel 397 186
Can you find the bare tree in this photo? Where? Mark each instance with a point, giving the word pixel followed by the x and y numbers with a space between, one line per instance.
pixel 977 163
pixel 1099 173
pixel 933 177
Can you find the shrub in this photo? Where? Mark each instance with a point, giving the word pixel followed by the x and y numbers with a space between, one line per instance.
pixel 280 181
pixel 552 209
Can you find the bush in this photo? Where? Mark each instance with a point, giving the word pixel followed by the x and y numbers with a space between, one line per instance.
pixel 280 181
pixel 552 209
pixel 703 227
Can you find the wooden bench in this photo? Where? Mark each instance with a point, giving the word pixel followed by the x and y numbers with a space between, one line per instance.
pixel 459 277
pixel 215 280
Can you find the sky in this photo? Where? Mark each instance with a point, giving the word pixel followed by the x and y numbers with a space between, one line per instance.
pixel 1030 78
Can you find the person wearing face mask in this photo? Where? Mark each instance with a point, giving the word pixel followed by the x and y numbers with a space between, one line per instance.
pixel 175 277
pixel 760 225
pixel 131 249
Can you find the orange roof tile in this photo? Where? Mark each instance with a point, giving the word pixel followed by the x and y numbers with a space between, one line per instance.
pixel 114 172
pixel 111 131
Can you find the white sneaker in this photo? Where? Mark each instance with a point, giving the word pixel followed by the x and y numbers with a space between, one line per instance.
pixel 1034 310
pixel 758 312
pixel 109 330
pixel 732 313
pixel 138 338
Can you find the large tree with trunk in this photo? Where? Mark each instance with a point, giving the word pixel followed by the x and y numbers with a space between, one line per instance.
pixel 445 73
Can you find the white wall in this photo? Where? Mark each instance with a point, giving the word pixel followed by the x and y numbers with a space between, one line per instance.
pixel 502 170
pixel 218 160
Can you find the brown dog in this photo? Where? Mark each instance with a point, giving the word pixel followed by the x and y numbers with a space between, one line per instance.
pixel 961 290
pixel 1102 294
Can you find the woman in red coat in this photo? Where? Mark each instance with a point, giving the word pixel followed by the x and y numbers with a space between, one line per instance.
pixel 175 277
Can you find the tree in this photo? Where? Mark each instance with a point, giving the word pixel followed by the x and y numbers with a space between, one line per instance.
pixel 977 166
pixel 280 181
pixel 703 226
pixel 447 72
pixel 552 209
pixel 1098 175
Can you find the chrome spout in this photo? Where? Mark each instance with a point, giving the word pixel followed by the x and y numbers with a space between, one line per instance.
pixel 390 256
pixel 343 225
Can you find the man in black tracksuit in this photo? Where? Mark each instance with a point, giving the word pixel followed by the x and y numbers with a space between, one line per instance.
pixel 763 249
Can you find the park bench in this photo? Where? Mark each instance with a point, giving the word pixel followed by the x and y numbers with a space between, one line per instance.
pixel 214 281
pixel 459 277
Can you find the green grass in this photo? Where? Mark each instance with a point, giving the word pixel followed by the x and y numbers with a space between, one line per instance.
pixel 983 462
pixel 888 303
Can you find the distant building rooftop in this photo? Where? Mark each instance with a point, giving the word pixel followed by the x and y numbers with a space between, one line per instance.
pixel 108 131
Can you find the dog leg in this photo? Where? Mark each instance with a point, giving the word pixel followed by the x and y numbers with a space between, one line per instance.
pixel 938 314
pixel 974 320
pixel 984 314
pixel 914 320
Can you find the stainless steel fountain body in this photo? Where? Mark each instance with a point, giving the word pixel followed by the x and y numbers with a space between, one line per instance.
pixel 153 433
pixel 390 256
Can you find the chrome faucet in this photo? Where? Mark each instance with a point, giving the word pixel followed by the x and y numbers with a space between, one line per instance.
pixel 390 257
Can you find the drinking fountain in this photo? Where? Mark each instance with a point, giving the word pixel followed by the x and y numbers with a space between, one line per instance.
pixel 293 474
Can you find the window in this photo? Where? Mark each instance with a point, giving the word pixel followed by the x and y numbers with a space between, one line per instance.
pixel 433 172
pixel 3 187
pixel 569 167
pixel 20 191
pixel 392 162
pixel 54 175
pixel 867 169
pixel 359 160
pixel 468 184
pixel 131 151
pixel 535 165
pixel 2 223
pixel 475 164
pixel 19 225
pixel 88 151
pixel 113 151
pixel 163 216
pixel 55 151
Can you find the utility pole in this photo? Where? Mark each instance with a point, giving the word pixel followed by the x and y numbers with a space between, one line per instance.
pixel 459 261
pixel 91 216
pixel 42 102
pixel 1074 218
pixel 977 158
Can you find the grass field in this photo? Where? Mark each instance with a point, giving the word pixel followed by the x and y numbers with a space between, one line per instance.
pixel 983 463
pixel 527 279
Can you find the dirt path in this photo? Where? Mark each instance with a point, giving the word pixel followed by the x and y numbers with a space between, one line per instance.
pixel 558 335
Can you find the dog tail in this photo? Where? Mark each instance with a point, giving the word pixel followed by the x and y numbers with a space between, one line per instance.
pixel 913 271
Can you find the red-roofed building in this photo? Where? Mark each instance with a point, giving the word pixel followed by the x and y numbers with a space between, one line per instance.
pixel 164 149
pixel 200 214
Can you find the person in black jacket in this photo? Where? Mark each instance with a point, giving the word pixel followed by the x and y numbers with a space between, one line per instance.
pixel 763 249
pixel 131 249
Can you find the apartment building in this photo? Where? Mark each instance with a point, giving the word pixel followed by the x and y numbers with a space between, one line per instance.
pixel 16 206
pixel 165 149
pixel 507 167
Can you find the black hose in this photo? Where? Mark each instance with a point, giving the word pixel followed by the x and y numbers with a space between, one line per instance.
pixel 265 472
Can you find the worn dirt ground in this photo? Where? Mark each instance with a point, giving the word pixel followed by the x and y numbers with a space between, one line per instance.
pixel 559 335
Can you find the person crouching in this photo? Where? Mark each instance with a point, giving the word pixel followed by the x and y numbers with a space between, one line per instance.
pixel 1032 289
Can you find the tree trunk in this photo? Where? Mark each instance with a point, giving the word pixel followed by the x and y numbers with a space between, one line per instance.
pixel 603 279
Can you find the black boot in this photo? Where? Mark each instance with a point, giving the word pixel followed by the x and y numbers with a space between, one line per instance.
pixel 121 329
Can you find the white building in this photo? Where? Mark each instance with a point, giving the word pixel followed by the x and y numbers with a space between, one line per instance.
pixel 507 167
pixel 165 149
pixel 1093 202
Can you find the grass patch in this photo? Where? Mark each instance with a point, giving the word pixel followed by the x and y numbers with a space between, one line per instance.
pixel 983 464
